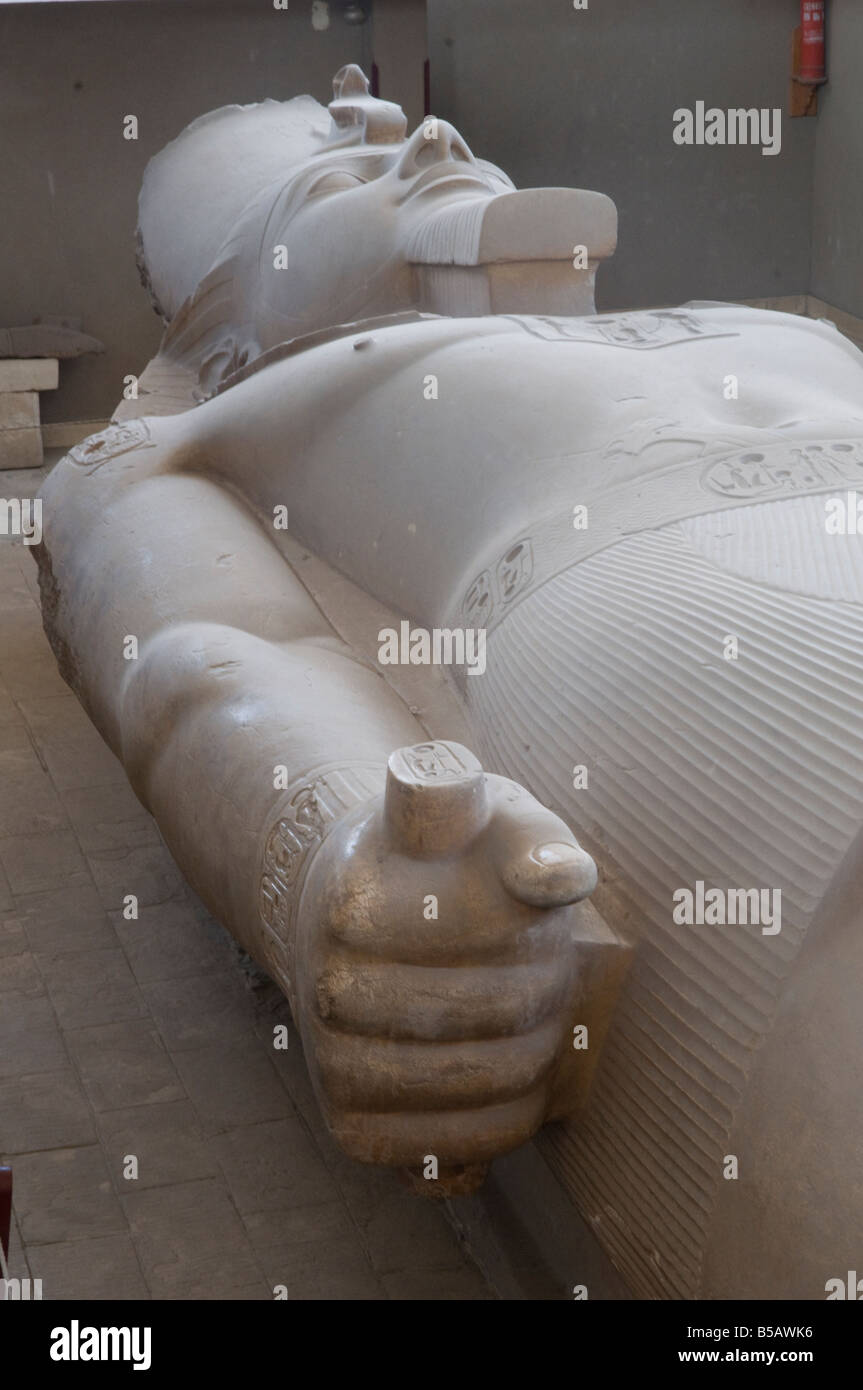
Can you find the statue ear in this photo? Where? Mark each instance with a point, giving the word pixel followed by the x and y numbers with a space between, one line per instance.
pixel 358 117
pixel 204 337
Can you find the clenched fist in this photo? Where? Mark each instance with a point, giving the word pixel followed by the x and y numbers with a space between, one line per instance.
pixel 442 969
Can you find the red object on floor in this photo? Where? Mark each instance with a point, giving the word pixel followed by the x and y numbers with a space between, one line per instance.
pixel 812 52
pixel 5 1209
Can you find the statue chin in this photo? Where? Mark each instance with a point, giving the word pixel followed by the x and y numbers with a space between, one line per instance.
pixel 531 251
pixel 490 626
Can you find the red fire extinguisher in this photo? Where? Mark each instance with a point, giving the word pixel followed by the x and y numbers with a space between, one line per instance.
pixel 812 68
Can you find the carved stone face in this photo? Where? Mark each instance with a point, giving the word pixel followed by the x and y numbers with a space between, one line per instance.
pixel 259 225
pixel 349 219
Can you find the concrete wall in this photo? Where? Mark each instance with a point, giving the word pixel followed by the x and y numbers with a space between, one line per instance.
pixel 837 202
pixel 400 49
pixel 69 182
pixel 586 98
pixel 555 95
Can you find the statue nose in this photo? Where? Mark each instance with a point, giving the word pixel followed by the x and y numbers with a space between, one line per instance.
pixel 433 142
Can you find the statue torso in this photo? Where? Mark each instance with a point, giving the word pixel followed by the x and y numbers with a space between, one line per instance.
pixel 415 458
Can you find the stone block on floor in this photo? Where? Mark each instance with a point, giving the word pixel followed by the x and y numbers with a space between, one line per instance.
pixel 21 448
pixel 327 1269
pixel 92 987
pixel 45 1111
pixel 191 1243
pixel 165 1138
pixel 460 1283
pixel 198 1010
pixel 274 1167
pixel 147 871
pixel 232 1083
pixel 65 1194
pixel 30 1041
pixel 13 941
pixel 19 976
pixel 274 1232
pixel 34 862
pixel 19 410
pixel 170 941
pixel 64 919
pixel 29 805
pixel 124 1064
pixel 407 1233
pixel 29 374
pixel 74 753
pixel 109 817
pixel 105 1268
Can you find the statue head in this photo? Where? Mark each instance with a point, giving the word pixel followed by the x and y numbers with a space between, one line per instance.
pixel 304 219
pixel 361 214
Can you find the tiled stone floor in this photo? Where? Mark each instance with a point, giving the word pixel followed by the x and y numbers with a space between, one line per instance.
pixel 152 1038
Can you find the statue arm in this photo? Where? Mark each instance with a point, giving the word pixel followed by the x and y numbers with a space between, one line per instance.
pixel 424 919
pixel 204 663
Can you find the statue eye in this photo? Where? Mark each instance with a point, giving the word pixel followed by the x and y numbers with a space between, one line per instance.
pixel 337 181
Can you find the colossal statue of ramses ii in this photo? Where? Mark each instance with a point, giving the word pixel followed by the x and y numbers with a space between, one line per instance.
pixel 447 591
